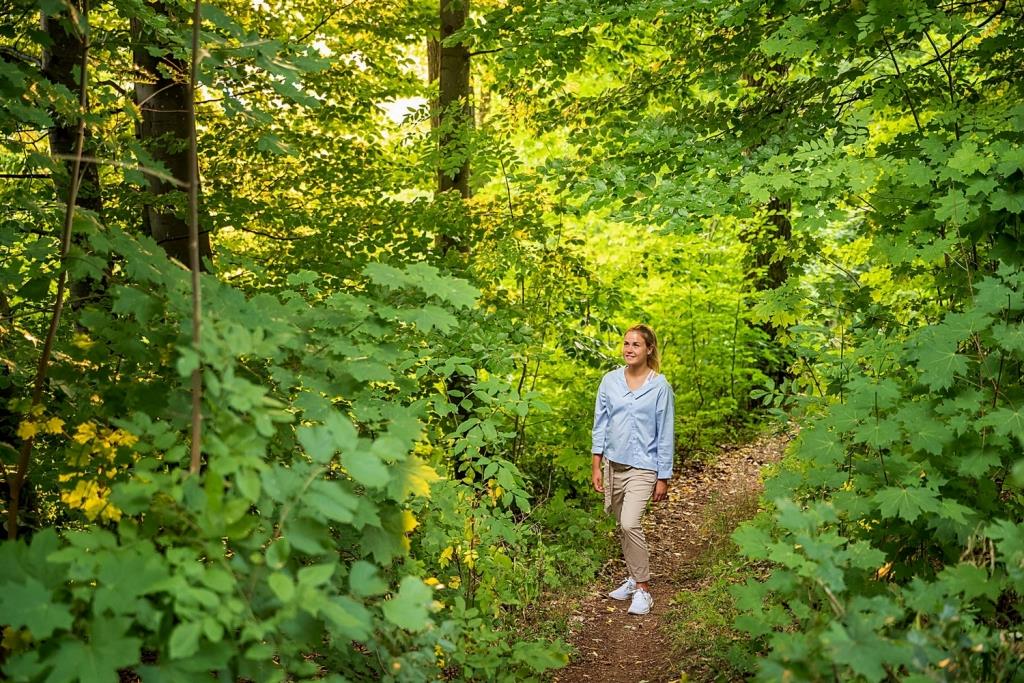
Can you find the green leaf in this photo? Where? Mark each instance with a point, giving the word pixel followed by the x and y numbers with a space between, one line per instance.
pixel 316 574
pixel 367 468
pixel 29 604
pixel 410 609
pixel 863 555
pixel 753 541
pixel 282 585
pixel 97 660
pixel 954 511
pixel 1006 422
pixel 364 581
pixel 540 655
pixel 1002 200
pixel 1009 538
pixel 125 575
pixel 347 618
pixel 455 291
pixel 318 442
pixel 429 318
pixel 925 432
pixel 969 160
pixel 1009 337
pixel 278 552
pixel 970 580
pixel 977 462
pixel 184 641
pixel 332 500
pixel 821 445
pixel 307 535
pixel 939 367
pixel 411 476
pixel 248 482
pixel 907 503
pixel 878 433
pixel 955 208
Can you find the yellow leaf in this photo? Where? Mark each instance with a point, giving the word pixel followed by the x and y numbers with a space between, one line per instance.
pixel 86 432
pixel 416 477
pixel 27 430
pixel 446 556
pixel 408 521
pixel 454 581
pixel 82 341
pixel 55 425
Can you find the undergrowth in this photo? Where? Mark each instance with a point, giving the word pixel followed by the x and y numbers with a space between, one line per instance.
pixel 705 643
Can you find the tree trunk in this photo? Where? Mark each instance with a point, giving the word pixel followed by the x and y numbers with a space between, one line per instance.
pixel 766 270
pixel 454 108
pixel 451 115
pixel 165 99
pixel 59 63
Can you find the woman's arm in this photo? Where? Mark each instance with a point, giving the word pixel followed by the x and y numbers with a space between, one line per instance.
pixel 665 423
pixel 602 416
pixel 598 436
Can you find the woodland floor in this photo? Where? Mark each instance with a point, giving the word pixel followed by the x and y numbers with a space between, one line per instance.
pixel 612 646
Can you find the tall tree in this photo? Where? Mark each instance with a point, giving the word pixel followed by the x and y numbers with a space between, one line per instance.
pixel 454 102
pixel 62 56
pixel 165 99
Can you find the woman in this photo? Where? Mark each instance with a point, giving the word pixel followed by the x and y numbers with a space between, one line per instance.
pixel 634 437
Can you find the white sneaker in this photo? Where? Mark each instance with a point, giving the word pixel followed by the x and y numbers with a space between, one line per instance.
pixel 642 602
pixel 625 591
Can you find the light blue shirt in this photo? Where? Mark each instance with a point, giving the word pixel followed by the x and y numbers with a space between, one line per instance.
pixel 635 428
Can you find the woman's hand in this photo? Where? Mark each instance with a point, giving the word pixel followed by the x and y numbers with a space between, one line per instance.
pixel 660 491
pixel 597 476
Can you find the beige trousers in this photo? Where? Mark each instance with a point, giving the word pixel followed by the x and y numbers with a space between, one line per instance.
pixel 630 489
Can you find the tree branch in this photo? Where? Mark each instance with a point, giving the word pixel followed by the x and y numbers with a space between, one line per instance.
pixel 193 248
pixel 283 238
pixel 19 56
pixel 959 41
pixel 903 86
pixel 327 17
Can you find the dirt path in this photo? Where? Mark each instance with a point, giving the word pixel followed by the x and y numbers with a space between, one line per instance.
pixel 615 647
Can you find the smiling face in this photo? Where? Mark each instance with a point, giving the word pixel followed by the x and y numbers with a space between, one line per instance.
pixel 635 350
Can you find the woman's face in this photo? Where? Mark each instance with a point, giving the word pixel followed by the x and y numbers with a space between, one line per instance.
pixel 634 350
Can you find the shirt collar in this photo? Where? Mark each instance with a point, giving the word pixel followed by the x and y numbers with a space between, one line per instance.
pixel 649 383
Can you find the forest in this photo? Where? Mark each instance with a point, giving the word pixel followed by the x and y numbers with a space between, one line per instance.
pixel 304 305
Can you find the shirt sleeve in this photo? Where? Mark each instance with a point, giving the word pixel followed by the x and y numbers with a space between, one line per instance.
pixel 665 423
pixel 598 434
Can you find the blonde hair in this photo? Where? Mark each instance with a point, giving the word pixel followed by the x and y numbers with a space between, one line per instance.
pixel 654 357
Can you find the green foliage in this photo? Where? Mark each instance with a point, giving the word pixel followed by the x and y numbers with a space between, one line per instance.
pixel 817 205
pixel 704 636
pixel 330 339
pixel 866 128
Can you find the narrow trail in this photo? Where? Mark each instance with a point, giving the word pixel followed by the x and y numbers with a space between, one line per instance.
pixel 612 646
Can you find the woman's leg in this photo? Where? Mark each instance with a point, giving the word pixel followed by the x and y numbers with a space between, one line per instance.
pixel 635 489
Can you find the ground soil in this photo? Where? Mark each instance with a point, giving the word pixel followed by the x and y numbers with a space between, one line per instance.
pixel 612 646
